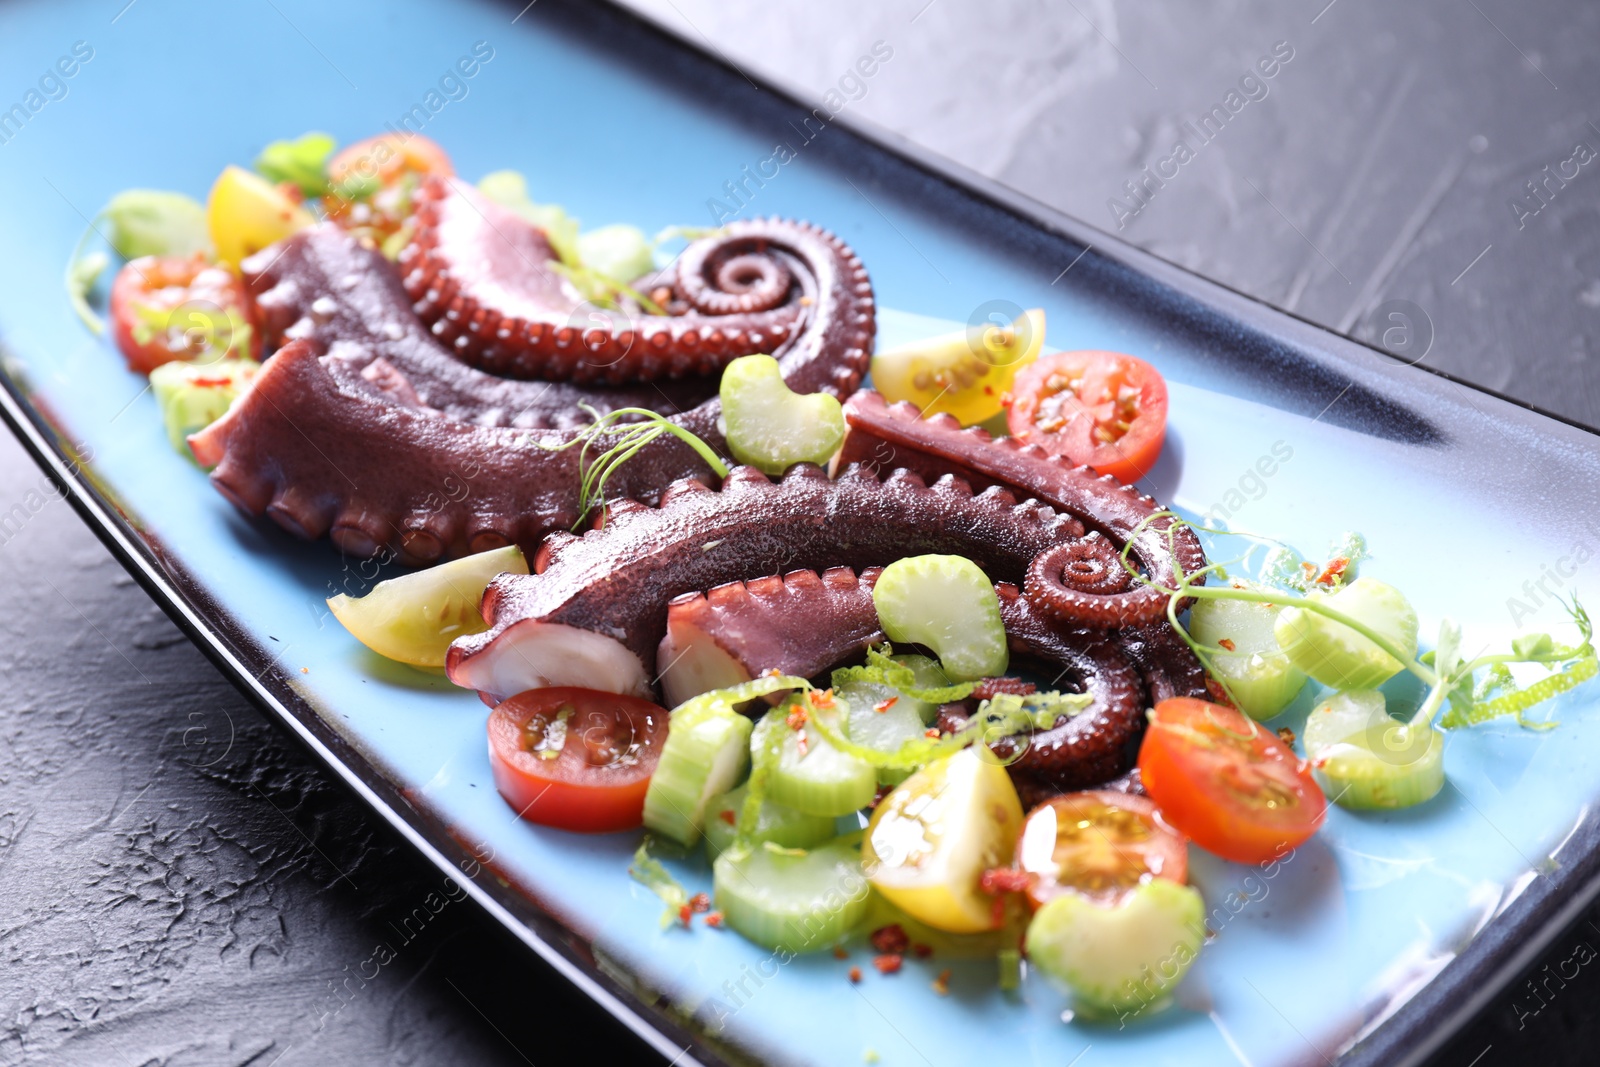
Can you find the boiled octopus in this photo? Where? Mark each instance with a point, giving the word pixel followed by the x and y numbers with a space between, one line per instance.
pixel 604 608
pixel 365 428
pixel 479 277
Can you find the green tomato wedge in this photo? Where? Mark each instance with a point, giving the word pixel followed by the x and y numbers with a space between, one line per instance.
pixel 1122 957
pixel 783 826
pixel 1336 655
pixel 948 604
pixel 771 427
pixel 966 374
pixel 792 900
pixel 1256 671
pixel 707 751
pixel 1365 759
pixel 810 775
pixel 192 396
pixel 412 619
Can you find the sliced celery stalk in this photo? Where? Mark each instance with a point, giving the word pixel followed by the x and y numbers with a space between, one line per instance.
pixel 1256 671
pixel 707 752
pixel 1336 655
pixel 1121 957
pixel 192 396
pixel 777 823
pixel 900 719
pixel 771 427
pixel 948 604
pixel 811 775
pixel 1364 759
pixel 792 900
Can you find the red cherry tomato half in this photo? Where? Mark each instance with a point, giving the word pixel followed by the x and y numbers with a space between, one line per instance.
pixel 1102 409
pixel 387 157
pixel 165 308
pixel 1099 843
pixel 577 759
pixel 1227 783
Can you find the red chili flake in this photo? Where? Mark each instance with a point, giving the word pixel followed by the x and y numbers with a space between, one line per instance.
pixel 1309 568
pixel 839 953
pixel 305 670
pixel 211 383
pixel 884 705
pixel 883 791
pixel 997 880
pixel 797 718
pixel 1227 644
pixel 890 939
pixel 941 984
pixel 771 672
pixel 714 918
pixel 821 698
pixel 728 817
pixel 931 734
pixel 888 964
pixel 855 974
pixel 685 915
pixel 922 951
pixel 1334 570
pixel 700 902
pixel 1286 735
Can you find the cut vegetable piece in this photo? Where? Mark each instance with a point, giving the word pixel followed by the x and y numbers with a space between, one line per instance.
pixel 792 900
pixel 881 717
pixel 948 604
pixel 781 825
pixel 1124 957
pixel 810 774
pixel 1338 656
pixel 930 841
pixel 151 222
pixel 1228 784
pixel 1100 844
pixel 621 252
pixel 246 213
pixel 965 374
pixel 1258 674
pixel 414 618
pixel 192 396
pixel 575 759
pixel 771 427
pixel 165 308
pixel 1104 409
pixel 1365 759
pixel 707 752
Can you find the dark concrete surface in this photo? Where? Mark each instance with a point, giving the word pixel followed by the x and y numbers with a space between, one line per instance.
pixel 181 886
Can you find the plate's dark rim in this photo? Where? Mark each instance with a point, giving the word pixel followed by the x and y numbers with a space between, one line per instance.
pixel 1484 967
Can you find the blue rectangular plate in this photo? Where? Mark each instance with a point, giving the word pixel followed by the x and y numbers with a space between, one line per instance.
pixel 1372 943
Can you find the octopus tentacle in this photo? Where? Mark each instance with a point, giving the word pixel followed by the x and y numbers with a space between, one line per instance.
pixel 801 623
pixel 365 429
pixel 883 435
pixel 478 275
pixel 615 583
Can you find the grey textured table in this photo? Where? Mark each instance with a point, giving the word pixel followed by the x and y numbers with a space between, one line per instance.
pixel 180 886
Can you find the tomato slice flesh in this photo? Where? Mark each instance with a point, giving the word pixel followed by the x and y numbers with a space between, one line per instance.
pixel 1106 410
pixel 576 759
pixel 166 308
pixel 1227 783
pixel 1098 843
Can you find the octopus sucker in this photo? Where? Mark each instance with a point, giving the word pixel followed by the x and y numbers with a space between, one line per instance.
pixel 884 435
pixel 747 289
pixel 370 431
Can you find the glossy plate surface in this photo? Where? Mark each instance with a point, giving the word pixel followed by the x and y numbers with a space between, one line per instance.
pixel 1367 943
